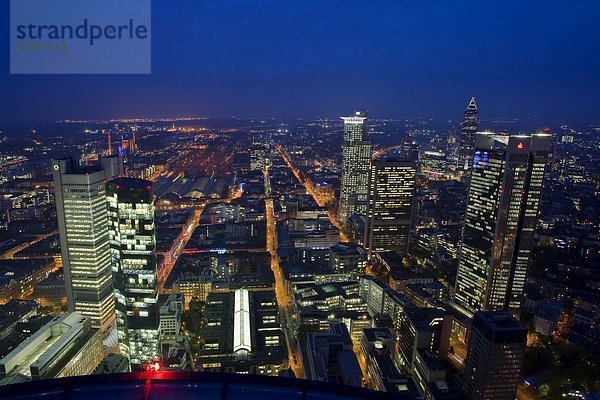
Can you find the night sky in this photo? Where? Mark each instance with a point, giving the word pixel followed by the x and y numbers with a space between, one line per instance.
pixel 324 58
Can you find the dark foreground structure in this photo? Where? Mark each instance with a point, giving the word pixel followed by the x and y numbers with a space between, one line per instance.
pixel 186 385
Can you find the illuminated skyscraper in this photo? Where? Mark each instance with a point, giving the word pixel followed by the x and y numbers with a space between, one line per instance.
pixel 356 156
pixel 495 356
pixel 390 203
pixel 502 210
pixel 83 227
pixel 469 127
pixel 133 251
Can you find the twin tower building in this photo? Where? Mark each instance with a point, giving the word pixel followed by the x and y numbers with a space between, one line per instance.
pixel 505 176
pixel 108 246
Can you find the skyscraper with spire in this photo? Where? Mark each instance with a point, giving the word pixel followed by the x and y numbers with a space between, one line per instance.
pixel 356 158
pixel 468 127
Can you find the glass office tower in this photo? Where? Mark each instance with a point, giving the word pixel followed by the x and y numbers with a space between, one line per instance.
pixel 390 205
pixel 356 157
pixel 83 228
pixel 133 251
pixel 501 216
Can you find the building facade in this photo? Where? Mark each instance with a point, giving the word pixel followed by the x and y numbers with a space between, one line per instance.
pixel 390 205
pixel 425 329
pixel 502 209
pixel 193 286
pixel 495 356
pixel 258 157
pixel 83 227
pixel 347 259
pixel 433 165
pixel 133 252
pixel 468 128
pixel 356 157
pixel 170 318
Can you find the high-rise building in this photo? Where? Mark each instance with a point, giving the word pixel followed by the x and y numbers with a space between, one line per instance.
pixel 356 157
pixel 468 128
pixel 495 356
pixel 390 205
pixel 133 252
pixel 83 227
pixel 502 210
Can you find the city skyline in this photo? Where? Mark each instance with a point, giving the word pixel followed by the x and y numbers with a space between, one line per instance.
pixel 336 199
pixel 229 254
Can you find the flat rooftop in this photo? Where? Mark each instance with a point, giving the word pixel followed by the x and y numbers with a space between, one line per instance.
pixel 500 327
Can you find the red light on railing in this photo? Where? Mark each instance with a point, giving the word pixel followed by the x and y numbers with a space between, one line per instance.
pixel 520 145
pixel 152 366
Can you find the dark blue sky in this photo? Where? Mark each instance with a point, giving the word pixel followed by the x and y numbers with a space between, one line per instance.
pixel 325 58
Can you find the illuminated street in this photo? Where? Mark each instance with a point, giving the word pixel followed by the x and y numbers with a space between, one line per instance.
pixel 321 200
pixel 7 255
pixel 283 298
pixel 185 236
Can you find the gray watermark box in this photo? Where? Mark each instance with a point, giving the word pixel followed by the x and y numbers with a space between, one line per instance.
pixel 80 36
